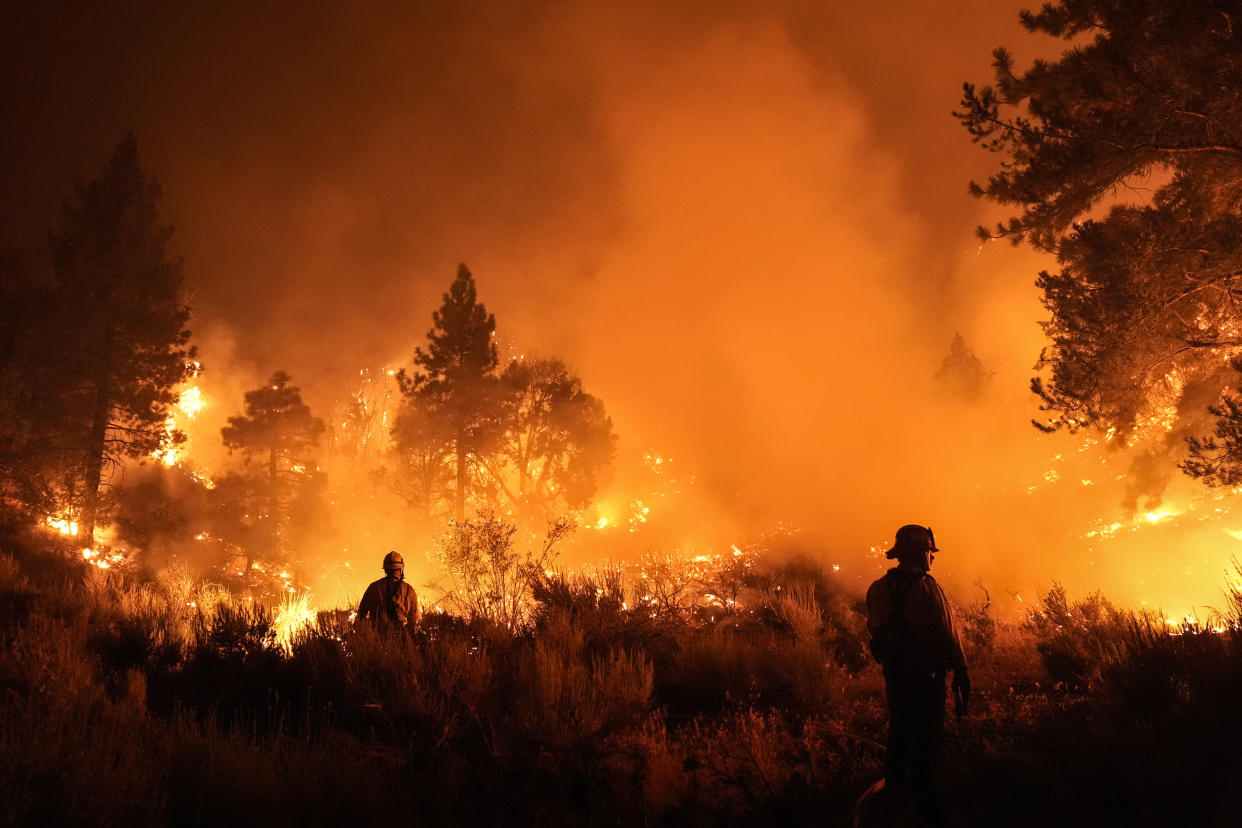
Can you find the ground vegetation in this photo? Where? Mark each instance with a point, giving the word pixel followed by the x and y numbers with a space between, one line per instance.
pixel 167 701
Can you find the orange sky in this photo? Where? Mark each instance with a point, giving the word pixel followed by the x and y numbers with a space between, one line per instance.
pixel 744 224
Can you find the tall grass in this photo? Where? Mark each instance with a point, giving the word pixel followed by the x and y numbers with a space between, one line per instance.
pixel 170 702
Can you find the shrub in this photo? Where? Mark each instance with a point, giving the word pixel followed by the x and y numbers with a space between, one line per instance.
pixel 665 587
pixel 842 618
pixel 71 753
pixel 489 578
pixel 567 703
pixel 1076 640
pixel 795 610
pixel 978 625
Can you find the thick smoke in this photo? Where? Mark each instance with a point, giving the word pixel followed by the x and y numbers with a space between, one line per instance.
pixel 745 226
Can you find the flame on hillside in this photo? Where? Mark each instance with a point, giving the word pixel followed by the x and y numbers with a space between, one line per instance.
pixel 654 511
pixel 190 403
pixel 104 558
pixel 1168 537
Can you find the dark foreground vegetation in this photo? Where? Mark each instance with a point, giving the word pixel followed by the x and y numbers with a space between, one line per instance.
pixel 168 703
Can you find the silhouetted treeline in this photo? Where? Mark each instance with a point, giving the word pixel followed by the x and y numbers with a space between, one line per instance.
pixel 96 370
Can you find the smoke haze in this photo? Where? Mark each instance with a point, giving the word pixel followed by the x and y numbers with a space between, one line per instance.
pixel 745 225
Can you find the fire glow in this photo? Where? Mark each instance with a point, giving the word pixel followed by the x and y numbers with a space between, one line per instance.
pixel 103 558
pixel 63 525
pixel 190 403
pixel 293 616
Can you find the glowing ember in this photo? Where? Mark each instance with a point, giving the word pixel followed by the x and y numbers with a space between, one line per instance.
pixel 103 559
pixel 636 514
pixel 202 478
pixel 1191 625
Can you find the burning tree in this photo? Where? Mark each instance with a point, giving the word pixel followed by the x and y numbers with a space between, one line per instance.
pixel 1144 308
pixel 90 378
pixel 454 381
pixel 359 430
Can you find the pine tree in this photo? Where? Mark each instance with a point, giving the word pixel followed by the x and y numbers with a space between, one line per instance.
pixel 962 374
pixel 266 509
pixel 1144 312
pixel 117 346
pixel 276 427
pixel 455 379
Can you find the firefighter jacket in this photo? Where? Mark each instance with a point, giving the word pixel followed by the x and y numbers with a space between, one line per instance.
pixel 389 600
pixel 908 603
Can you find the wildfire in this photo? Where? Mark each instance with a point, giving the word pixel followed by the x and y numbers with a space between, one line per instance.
pixel 202 478
pixel 168 456
pixel 103 559
pixel 1105 530
pixel 294 615
pixel 635 515
pixel 1190 625
pixel 64 525
pixel 190 403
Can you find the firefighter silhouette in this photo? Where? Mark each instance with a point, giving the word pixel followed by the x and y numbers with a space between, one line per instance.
pixel 915 640
pixel 390 602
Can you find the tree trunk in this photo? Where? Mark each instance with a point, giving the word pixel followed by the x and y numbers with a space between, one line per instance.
pixel 523 468
pixel 95 448
pixel 459 497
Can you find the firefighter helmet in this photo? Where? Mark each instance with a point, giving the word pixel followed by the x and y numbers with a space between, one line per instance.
pixel 393 560
pixel 913 538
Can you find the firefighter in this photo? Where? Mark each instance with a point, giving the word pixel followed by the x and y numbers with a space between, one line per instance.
pixel 390 602
pixel 915 639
